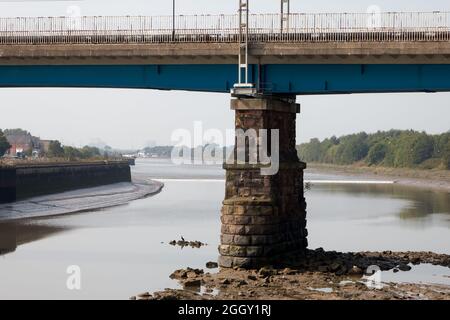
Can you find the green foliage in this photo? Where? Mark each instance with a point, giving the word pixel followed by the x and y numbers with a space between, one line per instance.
pixel 90 152
pixel 71 153
pixel 352 148
pixel 377 153
pixel 4 144
pixel 55 150
pixel 446 156
pixel 394 148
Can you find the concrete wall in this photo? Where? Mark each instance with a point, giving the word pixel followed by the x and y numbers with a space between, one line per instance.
pixel 7 184
pixel 26 181
pixel 227 53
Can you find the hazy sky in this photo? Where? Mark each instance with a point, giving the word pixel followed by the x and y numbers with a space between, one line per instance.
pixel 130 118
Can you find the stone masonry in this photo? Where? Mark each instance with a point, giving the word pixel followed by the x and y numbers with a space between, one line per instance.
pixel 264 217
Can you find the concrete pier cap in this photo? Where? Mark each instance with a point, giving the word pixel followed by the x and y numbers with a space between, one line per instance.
pixel 264 216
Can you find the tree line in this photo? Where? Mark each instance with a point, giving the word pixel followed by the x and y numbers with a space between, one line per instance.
pixel 4 144
pixel 57 150
pixel 394 148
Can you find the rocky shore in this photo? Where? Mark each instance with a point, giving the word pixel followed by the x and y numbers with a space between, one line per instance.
pixel 320 275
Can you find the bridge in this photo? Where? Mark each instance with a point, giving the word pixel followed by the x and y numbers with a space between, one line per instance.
pixel 392 52
pixel 265 61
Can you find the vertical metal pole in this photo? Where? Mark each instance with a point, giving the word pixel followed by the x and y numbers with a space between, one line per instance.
pixel 285 15
pixel 173 20
pixel 243 40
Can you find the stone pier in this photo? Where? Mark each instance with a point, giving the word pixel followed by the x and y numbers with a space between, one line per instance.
pixel 264 216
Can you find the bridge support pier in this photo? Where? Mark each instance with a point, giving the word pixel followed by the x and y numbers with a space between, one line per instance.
pixel 264 216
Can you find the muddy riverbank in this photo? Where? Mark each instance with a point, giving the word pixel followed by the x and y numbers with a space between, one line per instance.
pixel 81 200
pixel 430 179
pixel 320 275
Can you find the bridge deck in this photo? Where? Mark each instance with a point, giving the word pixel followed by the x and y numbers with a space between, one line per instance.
pixel 313 54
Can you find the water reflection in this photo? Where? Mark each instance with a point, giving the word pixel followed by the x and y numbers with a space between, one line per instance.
pixel 17 233
pixel 8 238
pixel 125 250
pixel 414 203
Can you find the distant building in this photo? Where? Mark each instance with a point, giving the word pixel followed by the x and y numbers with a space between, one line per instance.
pixel 23 143
pixel 44 145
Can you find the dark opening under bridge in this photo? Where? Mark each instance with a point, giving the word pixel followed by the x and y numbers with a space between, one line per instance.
pixel 279 57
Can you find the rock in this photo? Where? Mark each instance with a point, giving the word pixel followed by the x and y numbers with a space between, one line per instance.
pixel 242 283
pixel 266 272
pixel 196 244
pixel 252 277
pixel 355 271
pixel 212 265
pixel 289 271
pixel 195 271
pixel 342 270
pixel 335 266
pixel 144 295
pixel 195 283
pixel 184 243
pixel 395 270
pixel 322 269
pixel 404 267
pixel 178 274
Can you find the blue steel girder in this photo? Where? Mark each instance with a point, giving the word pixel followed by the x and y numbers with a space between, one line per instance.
pixel 296 79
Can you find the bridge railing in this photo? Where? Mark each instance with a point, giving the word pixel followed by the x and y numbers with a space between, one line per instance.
pixel 326 27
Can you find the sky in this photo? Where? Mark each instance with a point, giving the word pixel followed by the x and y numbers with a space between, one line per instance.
pixel 133 118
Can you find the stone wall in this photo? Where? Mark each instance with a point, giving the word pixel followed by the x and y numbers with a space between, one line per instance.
pixel 264 217
pixel 27 180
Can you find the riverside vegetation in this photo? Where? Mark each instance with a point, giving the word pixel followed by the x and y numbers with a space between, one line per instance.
pixel 394 148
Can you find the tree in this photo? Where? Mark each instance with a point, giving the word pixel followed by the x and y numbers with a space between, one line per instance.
pixel 311 151
pixel 377 153
pixel 446 157
pixel 55 150
pixel 4 144
pixel 71 153
pixel 413 148
pixel 394 148
pixel 352 149
pixel 90 152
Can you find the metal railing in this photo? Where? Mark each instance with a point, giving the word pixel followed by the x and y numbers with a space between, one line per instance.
pixel 323 27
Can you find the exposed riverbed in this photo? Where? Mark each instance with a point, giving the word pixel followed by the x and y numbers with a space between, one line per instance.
pixel 125 250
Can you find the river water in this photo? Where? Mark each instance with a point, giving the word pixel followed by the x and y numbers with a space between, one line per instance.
pixel 124 251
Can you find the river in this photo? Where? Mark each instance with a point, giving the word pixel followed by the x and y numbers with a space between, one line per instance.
pixel 124 250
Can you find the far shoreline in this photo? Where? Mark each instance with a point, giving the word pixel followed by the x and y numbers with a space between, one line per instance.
pixel 438 180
